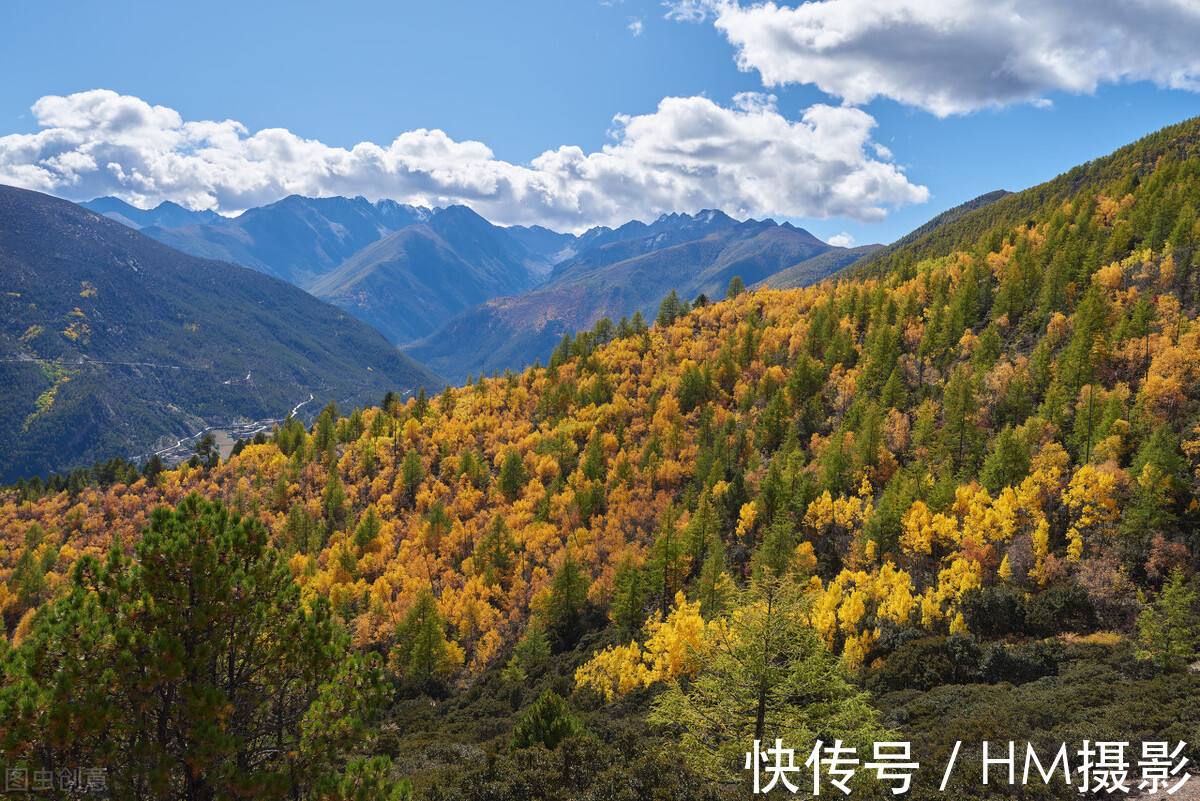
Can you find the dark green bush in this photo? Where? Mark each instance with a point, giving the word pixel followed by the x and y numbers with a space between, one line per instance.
pixel 1018 664
pixel 929 662
pixel 992 612
pixel 1060 609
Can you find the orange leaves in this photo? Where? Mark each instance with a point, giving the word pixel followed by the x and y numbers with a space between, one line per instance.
pixel 1003 375
pixel 1191 449
pixel 956 579
pixel 539 540
pixel 896 431
pixel 998 262
pixel 1169 372
pixel 1043 486
pixel 919 536
pixel 546 467
pixel 1107 210
pixel 470 611
pixel 746 517
pixel 973 530
pixel 1057 328
pixel 1110 278
pixel 412 430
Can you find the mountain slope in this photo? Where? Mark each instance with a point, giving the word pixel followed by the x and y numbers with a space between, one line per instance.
pixel 111 341
pixel 931 229
pixel 412 281
pixel 297 239
pixel 1113 182
pixel 816 268
pixel 614 280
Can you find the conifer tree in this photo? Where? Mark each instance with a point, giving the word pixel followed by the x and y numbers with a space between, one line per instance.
pixel 669 310
pixel 494 552
pixel 567 602
pixel 593 458
pixel 207 455
pixel 1170 627
pixel 368 528
pixel 412 472
pixel 192 671
pixel 422 652
pixel 626 609
pixel 532 650
pixel 512 474
pixel 714 587
pixel 668 564
pixel 333 500
pixel 548 722
pixel 701 529
pixel 152 468
pixel 960 434
pixel 766 675
pixel 421 405
pixel 325 433
pixel 1007 463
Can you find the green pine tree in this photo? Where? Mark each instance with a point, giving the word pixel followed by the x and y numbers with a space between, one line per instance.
pixel 422 652
pixel 627 609
pixel 768 676
pixel 190 671
pixel 513 474
pixel 568 602
pixel 1169 628
pixel 547 723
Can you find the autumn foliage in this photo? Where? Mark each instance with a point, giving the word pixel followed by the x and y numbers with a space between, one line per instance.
pixel 1016 412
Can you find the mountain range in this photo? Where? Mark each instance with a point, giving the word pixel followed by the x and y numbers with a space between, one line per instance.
pixel 112 343
pixel 297 239
pixel 466 295
pixel 692 255
pixel 164 215
pixel 410 282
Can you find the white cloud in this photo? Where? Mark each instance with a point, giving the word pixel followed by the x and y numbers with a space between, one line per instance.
pixel 690 153
pixel 956 56
pixel 689 10
pixel 635 26
pixel 842 240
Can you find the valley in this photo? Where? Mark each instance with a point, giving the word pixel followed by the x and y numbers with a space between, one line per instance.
pixel 225 436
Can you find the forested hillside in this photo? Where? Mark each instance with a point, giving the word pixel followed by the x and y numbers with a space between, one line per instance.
pixel 112 344
pixel 961 487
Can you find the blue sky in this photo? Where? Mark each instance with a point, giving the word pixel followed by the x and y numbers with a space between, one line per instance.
pixel 906 113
